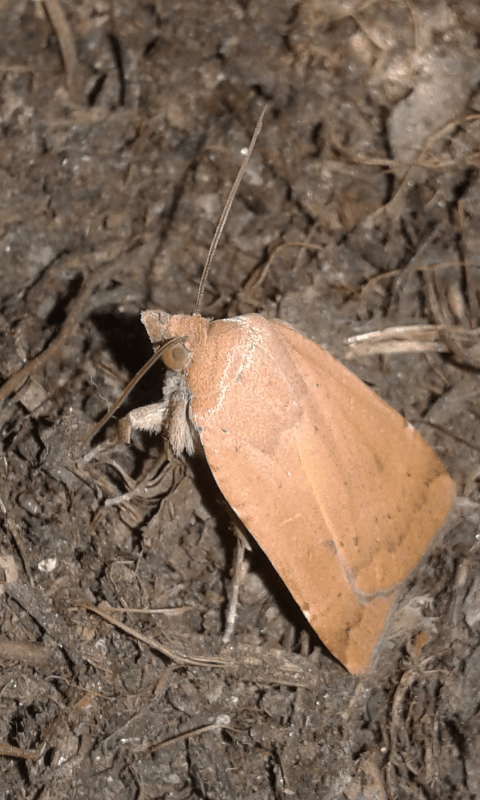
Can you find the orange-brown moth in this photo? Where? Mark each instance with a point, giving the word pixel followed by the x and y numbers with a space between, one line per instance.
pixel 341 493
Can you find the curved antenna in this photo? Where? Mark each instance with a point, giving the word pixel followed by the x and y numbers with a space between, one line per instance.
pixel 226 211
pixel 151 361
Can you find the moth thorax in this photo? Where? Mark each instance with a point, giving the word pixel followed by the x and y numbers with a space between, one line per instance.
pixel 176 357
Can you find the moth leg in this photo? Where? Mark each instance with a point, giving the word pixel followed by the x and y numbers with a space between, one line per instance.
pixel 240 569
pixel 147 418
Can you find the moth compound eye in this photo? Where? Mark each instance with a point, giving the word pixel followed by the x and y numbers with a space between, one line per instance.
pixel 176 357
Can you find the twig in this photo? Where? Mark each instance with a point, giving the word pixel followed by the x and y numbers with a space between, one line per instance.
pixel 67 45
pixel 222 721
pixel 17 538
pixel 74 317
pixel 177 658
pixel 19 752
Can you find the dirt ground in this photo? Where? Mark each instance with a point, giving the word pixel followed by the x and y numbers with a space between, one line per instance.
pixel 122 126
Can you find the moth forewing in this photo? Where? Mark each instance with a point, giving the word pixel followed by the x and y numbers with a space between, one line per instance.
pixel 341 493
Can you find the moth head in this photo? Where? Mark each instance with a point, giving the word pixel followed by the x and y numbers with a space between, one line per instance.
pixel 177 356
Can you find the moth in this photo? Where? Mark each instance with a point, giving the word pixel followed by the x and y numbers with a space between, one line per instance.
pixel 342 494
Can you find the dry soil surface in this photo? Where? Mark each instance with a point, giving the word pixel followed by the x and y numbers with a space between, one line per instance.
pixel 122 126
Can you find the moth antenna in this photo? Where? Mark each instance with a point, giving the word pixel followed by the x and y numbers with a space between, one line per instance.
pixel 151 361
pixel 226 211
